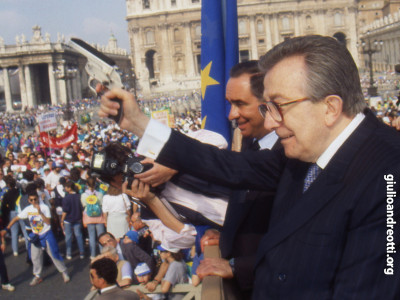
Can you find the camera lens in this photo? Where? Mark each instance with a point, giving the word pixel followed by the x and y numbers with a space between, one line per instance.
pixel 136 167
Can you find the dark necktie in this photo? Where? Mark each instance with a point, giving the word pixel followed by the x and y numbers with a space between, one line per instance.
pixel 255 146
pixel 312 174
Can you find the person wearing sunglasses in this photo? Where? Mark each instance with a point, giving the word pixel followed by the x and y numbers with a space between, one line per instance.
pixel 41 237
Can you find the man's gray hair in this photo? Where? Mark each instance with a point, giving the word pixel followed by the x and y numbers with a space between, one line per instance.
pixel 330 69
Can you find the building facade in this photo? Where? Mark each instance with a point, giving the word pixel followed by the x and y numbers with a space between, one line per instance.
pixel 40 72
pixel 385 34
pixel 165 35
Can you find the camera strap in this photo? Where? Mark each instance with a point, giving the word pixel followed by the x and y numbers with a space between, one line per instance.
pixel 172 210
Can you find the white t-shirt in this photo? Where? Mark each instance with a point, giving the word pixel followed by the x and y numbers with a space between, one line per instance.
pixel 37 224
pixel 52 179
pixel 116 203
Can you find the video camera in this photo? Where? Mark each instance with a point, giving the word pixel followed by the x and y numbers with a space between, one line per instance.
pixel 106 167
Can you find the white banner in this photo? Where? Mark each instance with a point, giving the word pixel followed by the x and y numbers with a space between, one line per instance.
pixel 47 121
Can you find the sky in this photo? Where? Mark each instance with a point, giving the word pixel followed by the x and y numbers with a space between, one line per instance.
pixel 90 20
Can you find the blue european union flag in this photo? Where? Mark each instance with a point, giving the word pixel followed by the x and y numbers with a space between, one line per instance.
pixel 219 53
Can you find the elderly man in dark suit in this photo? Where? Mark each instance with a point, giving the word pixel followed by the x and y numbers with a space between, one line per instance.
pixel 103 275
pixel 333 229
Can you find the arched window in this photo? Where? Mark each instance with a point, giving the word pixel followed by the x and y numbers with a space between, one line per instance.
pixel 242 27
pixel 150 37
pixel 150 62
pixel 341 37
pixel 146 4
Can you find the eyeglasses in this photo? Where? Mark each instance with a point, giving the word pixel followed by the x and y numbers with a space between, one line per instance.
pixel 275 109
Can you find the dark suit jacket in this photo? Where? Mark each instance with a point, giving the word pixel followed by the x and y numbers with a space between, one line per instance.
pixel 134 254
pixel 331 241
pixel 246 221
pixel 117 293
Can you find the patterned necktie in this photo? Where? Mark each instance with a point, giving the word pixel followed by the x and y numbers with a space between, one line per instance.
pixel 255 146
pixel 312 174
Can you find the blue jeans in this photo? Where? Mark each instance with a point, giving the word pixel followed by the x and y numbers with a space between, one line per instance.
pixel 15 230
pixel 92 228
pixel 77 228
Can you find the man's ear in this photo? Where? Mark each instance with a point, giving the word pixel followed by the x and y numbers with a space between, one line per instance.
pixel 334 107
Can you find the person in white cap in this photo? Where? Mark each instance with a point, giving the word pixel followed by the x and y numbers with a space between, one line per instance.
pixel 143 273
pixel 68 161
pixel 176 272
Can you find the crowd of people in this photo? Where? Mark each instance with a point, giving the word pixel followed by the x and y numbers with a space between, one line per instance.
pixel 49 195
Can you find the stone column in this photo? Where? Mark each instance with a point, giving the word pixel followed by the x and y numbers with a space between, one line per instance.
pixel 62 84
pixel 7 90
pixel 296 23
pixel 321 20
pixel 253 38
pixel 189 57
pixel 166 66
pixel 78 81
pixel 352 38
pixel 138 54
pixel 30 95
pixel 276 29
pixel 70 93
pixel 74 85
pixel 53 85
pixel 268 36
pixel 22 85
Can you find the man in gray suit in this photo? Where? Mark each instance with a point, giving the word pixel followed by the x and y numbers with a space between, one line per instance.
pixel 103 275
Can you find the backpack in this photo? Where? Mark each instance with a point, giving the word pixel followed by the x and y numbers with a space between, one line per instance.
pixel 93 208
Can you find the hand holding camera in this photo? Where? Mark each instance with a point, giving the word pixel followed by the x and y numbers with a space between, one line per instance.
pixel 139 190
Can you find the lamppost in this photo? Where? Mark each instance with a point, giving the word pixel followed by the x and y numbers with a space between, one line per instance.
pixel 66 74
pixel 369 48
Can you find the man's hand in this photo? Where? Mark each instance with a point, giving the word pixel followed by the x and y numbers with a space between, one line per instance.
pixel 3 247
pixel 138 190
pixel 151 286
pixel 210 238
pixel 37 206
pixel 133 119
pixel 157 175
pixel 396 123
pixel 214 266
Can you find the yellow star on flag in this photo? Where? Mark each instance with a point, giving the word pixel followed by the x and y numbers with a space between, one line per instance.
pixel 203 122
pixel 206 80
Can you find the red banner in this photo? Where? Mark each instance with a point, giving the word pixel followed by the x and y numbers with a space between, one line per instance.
pixel 65 140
